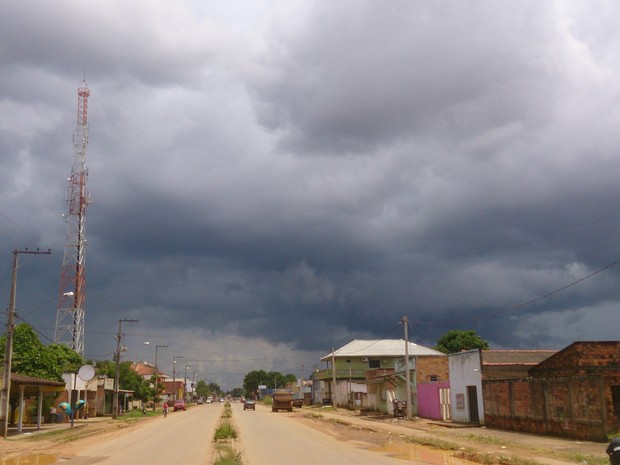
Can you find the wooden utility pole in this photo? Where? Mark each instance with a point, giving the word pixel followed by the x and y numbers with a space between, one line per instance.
pixel 117 369
pixel 407 369
pixel 8 351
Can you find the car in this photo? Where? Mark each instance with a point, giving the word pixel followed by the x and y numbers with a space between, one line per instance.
pixel 199 401
pixel 249 404
pixel 179 405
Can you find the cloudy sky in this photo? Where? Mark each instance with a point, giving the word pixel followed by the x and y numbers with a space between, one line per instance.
pixel 271 179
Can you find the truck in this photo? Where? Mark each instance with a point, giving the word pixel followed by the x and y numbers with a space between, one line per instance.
pixel 282 400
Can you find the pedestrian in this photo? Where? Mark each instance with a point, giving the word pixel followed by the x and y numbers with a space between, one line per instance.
pixel 613 450
pixel 165 409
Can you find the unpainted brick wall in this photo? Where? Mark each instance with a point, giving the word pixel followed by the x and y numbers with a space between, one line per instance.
pixel 573 407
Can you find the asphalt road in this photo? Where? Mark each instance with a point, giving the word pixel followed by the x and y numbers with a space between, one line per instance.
pixel 183 438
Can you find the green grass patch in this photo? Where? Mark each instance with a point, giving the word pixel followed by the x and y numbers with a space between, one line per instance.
pixel 493 459
pixel 225 431
pixel 433 442
pixel 226 455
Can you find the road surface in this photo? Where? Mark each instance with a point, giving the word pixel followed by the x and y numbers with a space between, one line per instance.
pixel 267 438
pixel 183 438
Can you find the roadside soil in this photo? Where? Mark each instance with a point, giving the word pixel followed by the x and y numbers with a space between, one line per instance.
pixel 62 440
pixel 474 443
pixel 478 444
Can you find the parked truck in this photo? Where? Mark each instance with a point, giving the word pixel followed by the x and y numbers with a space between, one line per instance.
pixel 282 400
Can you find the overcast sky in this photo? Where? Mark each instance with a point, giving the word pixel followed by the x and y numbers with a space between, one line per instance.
pixel 271 179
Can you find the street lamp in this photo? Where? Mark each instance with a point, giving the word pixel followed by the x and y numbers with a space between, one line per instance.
pixel 174 376
pixel 117 356
pixel 157 374
pixel 185 382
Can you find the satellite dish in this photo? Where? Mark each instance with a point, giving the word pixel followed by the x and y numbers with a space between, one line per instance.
pixel 86 372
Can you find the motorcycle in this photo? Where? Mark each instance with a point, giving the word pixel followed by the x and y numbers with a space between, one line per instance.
pixel 400 408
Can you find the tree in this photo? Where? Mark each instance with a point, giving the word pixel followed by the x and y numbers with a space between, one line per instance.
pixel 128 379
pixel 32 358
pixel 273 379
pixel 457 340
pixel 202 390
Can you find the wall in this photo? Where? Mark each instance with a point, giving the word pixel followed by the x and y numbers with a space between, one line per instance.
pixel 464 368
pixel 572 407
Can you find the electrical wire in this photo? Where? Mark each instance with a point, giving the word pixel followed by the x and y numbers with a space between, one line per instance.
pixel 518 306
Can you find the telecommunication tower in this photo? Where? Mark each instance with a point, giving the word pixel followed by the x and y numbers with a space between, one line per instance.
pixel 71 298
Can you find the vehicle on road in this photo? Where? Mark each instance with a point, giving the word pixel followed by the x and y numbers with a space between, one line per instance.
pixel 179 405
pixel 282 400
pixel 249 404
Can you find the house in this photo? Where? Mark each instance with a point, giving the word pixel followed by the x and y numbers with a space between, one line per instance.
pixel 370 374
pixel 470 368
pixel 574 393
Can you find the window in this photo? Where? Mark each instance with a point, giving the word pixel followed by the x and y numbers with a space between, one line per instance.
pixel 433 378
pixel 374 363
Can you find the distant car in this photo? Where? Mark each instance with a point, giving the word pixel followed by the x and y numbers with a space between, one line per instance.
pixel 179 405
pixel 249 404
pixel 199 401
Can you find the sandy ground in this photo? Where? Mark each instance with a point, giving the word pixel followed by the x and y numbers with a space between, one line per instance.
pixel 365 430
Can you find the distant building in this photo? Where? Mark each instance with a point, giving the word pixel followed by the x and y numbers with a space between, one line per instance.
pixel 370 374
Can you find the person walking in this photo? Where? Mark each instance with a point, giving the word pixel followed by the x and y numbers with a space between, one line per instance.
pixel 613 450
pixel 165 409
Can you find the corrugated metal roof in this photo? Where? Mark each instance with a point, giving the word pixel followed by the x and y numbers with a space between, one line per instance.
pixel 515 357
pixel 381 348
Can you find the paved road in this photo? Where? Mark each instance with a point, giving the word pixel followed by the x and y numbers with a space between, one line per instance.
pixel 184 438
pixel 268 438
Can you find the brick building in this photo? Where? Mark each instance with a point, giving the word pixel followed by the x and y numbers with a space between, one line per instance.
pixel 574 393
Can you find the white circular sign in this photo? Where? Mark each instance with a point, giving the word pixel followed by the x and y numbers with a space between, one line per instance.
pixel 86 372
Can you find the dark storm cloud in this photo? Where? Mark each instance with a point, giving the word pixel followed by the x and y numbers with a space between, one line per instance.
pixel 275 183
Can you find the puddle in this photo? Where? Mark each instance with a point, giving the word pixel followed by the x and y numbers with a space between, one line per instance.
pixel 417 453
pixel 32 459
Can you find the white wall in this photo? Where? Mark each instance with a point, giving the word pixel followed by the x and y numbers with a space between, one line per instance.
pixel 465 370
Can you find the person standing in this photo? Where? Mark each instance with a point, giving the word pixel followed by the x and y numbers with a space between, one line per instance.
pixel 613 450
pixel 165 409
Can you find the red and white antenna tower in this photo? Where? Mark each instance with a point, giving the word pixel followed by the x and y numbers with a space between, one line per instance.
pixel 70 314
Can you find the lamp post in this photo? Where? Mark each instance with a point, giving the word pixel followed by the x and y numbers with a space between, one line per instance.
pixel 185 382
pixel 157 374
pixel 117 356
pixel 174 376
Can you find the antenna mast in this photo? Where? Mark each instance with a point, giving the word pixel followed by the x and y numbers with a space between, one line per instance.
pixel 70 314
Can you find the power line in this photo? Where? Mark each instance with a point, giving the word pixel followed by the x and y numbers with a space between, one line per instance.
pixel 521 305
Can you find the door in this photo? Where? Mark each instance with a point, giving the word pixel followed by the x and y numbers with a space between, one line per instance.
pixel 472 401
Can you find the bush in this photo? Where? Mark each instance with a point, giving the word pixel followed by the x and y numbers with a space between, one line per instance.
pixel 225 431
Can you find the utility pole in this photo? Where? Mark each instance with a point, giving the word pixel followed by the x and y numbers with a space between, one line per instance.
pixel 407 369
pixel 332 395
pixel 185 382
pixel 119 335
pixel 8 351
pixel 157 374
pixel 174 376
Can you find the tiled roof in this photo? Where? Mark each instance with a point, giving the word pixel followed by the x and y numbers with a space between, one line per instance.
pixel 381 348
pixel 515 357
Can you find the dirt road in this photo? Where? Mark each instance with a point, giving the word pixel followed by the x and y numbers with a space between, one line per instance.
pixel 153 440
